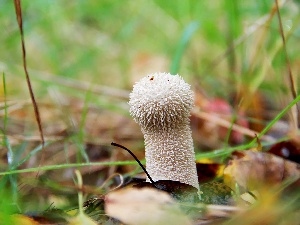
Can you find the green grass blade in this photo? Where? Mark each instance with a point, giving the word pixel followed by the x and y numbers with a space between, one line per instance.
pixel 182 45
pixel 277 117
pixel 66 166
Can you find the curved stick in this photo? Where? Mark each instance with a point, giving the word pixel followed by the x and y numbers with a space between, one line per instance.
pixel 136 159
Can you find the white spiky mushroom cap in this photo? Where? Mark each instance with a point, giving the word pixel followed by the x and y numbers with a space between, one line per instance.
pixel 161 100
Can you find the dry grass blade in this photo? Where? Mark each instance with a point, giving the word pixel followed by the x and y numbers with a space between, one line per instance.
pixel 291 79
pixel 18 9
pixel 258 24
pixel 224 123
pixel 85 86
pixel 262 22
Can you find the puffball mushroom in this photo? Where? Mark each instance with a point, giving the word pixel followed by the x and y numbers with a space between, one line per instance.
pixel 161 103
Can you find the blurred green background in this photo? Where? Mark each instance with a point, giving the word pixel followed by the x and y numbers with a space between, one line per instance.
pixel 113 43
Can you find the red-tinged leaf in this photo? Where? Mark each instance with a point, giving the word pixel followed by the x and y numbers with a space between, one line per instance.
pixel 213 132
pixel 287 149
pixel 209 171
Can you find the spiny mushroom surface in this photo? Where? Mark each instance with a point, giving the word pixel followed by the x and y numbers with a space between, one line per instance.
pixel 161 103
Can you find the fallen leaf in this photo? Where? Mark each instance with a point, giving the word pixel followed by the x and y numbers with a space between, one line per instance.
pixel 250 170
pixel 208 170
pixel 144 206
pixel 287 149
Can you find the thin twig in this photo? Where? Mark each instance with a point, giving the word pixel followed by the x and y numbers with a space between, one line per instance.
pixel 291 79
pixel 18 9
pixel 136 159
pixel 82 85
pixel 224 123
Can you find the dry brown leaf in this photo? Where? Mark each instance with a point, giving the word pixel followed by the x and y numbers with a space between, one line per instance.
pixel 250 170
pixel 144 206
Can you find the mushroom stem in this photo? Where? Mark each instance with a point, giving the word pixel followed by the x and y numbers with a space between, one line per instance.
pixel 174 159
pixel 161 103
